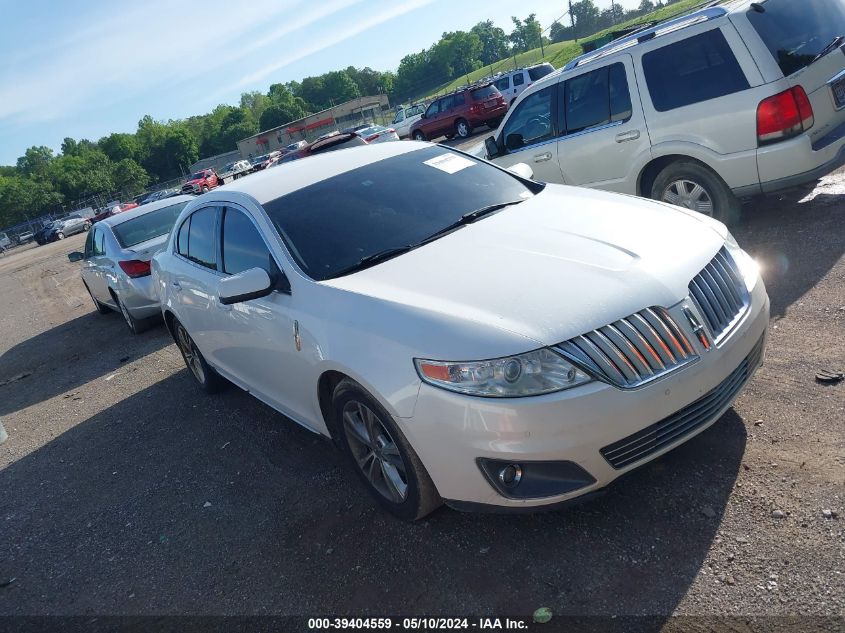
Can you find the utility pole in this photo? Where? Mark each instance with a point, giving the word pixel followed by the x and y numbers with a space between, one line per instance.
pixel 613 12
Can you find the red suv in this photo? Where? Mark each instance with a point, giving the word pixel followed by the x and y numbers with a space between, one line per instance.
pixel 461 111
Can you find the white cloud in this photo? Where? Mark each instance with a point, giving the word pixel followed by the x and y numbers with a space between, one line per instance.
pixel 335 36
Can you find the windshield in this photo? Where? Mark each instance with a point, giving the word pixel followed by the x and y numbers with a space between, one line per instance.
pixel 148 226
pixel 796 32
pixel 538 72
pixel 486 92
pixel 332 225
pixel 198 176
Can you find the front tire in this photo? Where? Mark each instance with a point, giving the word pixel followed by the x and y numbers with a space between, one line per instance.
pixel 419 136
pixel 204 189
pixel 381 456
pixel 691 185
pixel 101 309
pixel 60 236
pixel 208 379
pixel 463 128
pixel 86 226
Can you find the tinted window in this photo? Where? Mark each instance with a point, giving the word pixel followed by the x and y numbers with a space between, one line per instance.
pixel 620 96
pixel 243 247
pixel 504 83
pixel 400 116
pixel 99 246
pixel 182 238
pixel 539 72
pixel 518 79
pixel 447 102
pixel 433 110
pixel 89 244
pixel 148 226
pixel 201 243
pixel 335 144
pixel 331 225
pixel 587 101
pixel 795 32
pixel 691 71
pixel 531 122
pixel 487 92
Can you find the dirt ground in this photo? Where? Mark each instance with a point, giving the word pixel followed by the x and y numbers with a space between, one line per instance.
pixel 125 490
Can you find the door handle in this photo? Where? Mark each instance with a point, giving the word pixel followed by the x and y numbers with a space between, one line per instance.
pixel 542 158
pixel 632 135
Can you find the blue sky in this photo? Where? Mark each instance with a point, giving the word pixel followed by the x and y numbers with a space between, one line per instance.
pixel 84 69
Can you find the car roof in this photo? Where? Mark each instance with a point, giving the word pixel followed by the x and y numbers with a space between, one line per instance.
pixel 708 11
pixel 298 174
pixel 120 218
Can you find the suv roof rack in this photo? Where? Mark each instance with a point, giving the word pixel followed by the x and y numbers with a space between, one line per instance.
pixel 702 13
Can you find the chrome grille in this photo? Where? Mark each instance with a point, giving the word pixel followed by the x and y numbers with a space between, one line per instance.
pixel 644 443
pixel 632 351
pixel 720 294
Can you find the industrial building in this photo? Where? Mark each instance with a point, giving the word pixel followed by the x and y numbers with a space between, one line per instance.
pixel 360 110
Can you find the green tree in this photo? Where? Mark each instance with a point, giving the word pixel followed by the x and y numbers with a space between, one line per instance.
pixel 35 161
pixel 586 15
pixel 526 34
pixel 494 42
pixel 118 146
pixel 129 176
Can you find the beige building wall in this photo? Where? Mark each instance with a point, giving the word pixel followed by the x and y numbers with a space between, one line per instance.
pixel 360 110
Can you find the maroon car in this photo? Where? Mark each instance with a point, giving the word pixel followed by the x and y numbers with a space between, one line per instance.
pixel 458 113
pixel 327 143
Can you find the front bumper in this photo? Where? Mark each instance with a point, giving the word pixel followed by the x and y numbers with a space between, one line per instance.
pixel 450 431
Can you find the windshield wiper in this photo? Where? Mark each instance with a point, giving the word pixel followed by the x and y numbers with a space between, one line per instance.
pixel 469 218
pixel 836 43
pixel 395 251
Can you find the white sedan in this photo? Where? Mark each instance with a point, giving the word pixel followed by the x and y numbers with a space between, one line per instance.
pixel 471 336
pixel 116 260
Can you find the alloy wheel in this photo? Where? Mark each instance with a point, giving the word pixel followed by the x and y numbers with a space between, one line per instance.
pixel 190 353
pixel 463 129
pixel 689 195
pixel 375 452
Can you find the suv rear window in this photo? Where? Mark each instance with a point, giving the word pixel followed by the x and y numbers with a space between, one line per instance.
pixel 487 92
pixel 538 72
pixel 795 32
pixel 693 70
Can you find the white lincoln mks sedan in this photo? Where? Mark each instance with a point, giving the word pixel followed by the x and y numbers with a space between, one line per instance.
pixel 464 334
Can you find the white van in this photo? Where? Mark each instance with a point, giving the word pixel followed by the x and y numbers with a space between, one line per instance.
pixel 512 84
pixel 405 117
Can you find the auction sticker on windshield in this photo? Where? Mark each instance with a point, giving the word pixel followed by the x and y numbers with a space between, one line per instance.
pixel 450 163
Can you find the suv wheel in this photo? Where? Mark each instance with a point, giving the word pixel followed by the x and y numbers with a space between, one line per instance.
pixel 208 379
pixel 693 186
pixel 462 128
pixel 419 136
pixel 205 188
pixel 60 236
pixel 382 456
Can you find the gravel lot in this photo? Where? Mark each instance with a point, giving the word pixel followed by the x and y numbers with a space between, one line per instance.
pixel 124 490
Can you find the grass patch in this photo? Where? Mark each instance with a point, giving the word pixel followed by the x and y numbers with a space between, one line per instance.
pixel 557 54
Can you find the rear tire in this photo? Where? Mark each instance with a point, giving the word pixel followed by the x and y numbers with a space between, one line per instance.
pixel 691 185
pixel 463 128
pixel 419 136
pixel 380 454
pixel 208 379
pixel 86 226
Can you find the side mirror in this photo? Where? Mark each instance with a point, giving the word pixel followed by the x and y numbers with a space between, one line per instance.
pixel 250 284
pixel 76 256
pixel 514 141
pixel 422 116
pixel 491 146
pixel 522 170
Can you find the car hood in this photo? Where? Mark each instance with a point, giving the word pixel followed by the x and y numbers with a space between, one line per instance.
pixel 559 264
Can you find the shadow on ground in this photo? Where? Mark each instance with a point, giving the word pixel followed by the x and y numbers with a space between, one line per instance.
pixel 171 502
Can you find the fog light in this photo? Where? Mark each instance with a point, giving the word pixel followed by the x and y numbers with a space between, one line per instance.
pixel 510 475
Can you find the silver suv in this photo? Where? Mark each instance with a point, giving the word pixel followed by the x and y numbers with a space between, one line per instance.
pixel 722 104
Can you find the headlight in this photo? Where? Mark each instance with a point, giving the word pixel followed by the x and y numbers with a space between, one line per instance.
pixel 749 268
pixel 531 374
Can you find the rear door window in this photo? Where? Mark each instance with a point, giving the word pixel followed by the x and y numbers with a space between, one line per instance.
pixel 693 70
pixel 518 79
pixel 796 31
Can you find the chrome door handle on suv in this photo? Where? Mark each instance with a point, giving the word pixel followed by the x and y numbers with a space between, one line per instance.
pixel 632 135
pixel 542 158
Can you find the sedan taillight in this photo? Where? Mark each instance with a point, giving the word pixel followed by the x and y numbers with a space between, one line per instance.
pixel 371 137
pixel 135 268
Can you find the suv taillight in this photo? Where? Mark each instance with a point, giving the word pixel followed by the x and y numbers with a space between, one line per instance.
pixel 475 108
pixel 783 116
pixel 135 268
